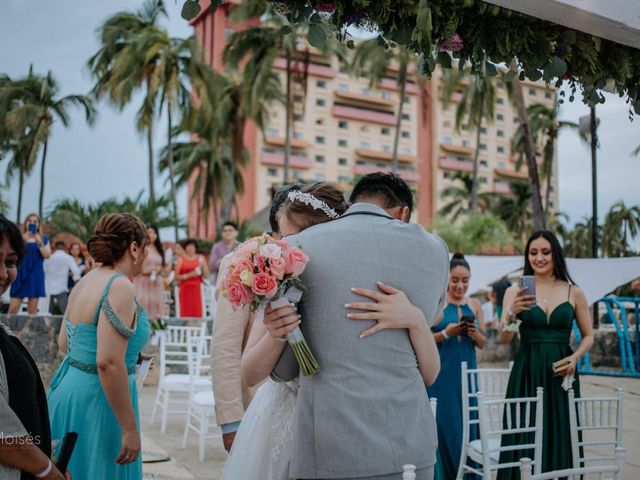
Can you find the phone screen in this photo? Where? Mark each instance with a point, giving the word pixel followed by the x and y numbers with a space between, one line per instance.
pixel 468 319
pixel 32 228
pixel 528 282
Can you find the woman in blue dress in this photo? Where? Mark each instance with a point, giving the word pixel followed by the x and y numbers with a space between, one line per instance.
pixel 457 341
pixel 93 391
pixel 30 281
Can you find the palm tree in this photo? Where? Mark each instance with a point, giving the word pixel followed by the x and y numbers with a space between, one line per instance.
pixel 477 102
pixel 515 209
pixel 119 71
pixel 577 242
pixel 621 224
pixel 459 196
pixel 375 60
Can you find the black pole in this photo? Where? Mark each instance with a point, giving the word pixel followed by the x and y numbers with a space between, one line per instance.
pixel 594 199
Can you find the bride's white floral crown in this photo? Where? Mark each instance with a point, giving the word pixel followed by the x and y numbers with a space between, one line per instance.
pixel 313 202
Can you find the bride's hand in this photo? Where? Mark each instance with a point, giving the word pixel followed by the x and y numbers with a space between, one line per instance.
pixel 391 309
pixel 280 321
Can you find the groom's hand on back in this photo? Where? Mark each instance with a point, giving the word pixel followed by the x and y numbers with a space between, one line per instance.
pixel 280 321
pixel 227 440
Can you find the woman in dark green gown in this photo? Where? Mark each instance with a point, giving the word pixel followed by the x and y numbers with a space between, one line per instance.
pixel 545 333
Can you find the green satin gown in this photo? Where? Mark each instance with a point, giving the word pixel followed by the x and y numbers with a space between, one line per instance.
pixel 543 341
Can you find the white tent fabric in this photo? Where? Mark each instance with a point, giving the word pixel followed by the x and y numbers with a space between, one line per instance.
pixel 596 276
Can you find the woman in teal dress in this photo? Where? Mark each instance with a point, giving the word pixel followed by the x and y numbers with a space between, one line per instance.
pixel 545 332
pixel 93 391
pixel 457 342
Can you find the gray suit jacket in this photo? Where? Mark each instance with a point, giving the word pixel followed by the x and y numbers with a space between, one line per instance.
pixel 366 412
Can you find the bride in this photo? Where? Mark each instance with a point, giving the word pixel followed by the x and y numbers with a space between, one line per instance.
pixel 262 447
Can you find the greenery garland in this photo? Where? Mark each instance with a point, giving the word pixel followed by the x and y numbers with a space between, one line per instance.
pixel 476 32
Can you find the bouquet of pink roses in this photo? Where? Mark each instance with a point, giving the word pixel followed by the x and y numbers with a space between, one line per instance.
pixel 263 270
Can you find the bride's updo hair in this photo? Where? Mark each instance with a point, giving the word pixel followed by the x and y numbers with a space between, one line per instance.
pixel 114 233
pixel 303 215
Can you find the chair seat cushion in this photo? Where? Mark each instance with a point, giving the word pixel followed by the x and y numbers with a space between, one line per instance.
pixel 181 381
pixel 204 399
pixel 475 447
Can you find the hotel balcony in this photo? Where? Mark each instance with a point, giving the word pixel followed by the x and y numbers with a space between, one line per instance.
pixel 277 160
pixel 511 174
pixel 500 186
pixel 280 141
pixel 376 155
pixel 362 98
pixel 391 84
pixel 514 159
pixel 455 165
pixel 313 69
pixel 457 149
pixel 370 116
pixel 361 170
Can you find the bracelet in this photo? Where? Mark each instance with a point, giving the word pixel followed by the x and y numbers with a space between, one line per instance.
pixel 444 335
pixel 510 312
pixel 45 472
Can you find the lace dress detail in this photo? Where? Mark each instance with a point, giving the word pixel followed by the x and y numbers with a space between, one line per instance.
pixel 262 447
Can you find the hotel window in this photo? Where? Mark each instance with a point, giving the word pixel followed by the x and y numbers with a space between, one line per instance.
pixel 364 91
pixel 320 102
pixel 321 84
pixel 500 117
pixel 297 135
pixel 342 69
pixel 320 121
pixel 500 101
pixel 297 175
pixel 465 127
pixel 447 140
pixel 502 165
pixel 343 87
pixel 364 128
pixel 385 131
pixel 533 92
pixel 272 172
pixel 272 132
pixel 500 149
pixel 548 95
pixel 516 119
pixel 342 162
pixel 365 145
pixel 320 140
pixel 298 99
pixel 483 129
pixel 298 118
pixel 406 116
pixel 447 175
pixel 551 204
pixel 466 143
pixel 343 124
pixel 386 95
pixel 342 143
pixel 500 85
pixel 320 159
pixel 500 133
pixel 406 99
pixel 446 124
pixel 406 151
pixel 320 177
pixel 483 146
pixel 386 148
pixel 343 179
pixel 484 163
pixel 482 179
pixel 406 134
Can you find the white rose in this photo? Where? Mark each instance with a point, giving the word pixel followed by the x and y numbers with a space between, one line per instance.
pixel 271 250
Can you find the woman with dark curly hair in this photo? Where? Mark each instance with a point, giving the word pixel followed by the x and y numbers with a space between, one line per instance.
pixel 93 391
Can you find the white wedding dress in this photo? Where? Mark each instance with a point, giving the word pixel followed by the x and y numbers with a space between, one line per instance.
pixel 262 447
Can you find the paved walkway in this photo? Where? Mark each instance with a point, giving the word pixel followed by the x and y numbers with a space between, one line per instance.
pixel 185 464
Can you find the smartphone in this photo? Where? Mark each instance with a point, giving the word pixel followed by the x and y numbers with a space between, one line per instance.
pixel 528 282
pixel 468 319
pixel 32 228
pixel 66 449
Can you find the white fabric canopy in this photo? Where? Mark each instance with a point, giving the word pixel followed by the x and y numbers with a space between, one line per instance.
pixel 596 276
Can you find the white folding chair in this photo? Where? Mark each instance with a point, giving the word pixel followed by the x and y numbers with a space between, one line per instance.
pixel 176 300
pixel 493 384
pixel 174 353
pixel 504 417
pixel 599 418
pixel 201 411
pixel 208 300
pixel 599 472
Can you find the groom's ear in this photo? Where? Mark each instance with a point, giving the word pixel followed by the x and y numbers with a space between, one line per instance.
pixel 400 213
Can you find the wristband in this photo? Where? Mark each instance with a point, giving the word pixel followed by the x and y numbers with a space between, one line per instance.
pixel 444 335
pixel 510 312
pixel 45 472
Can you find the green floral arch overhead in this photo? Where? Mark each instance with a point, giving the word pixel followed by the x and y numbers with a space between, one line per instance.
pixel 475 33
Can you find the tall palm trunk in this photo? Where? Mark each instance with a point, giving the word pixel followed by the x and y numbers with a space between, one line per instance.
pixel 396 139
pixel 152 191
pixel 288 108
pixel 21 184
pixel 547 193
pixel 474 178
pixel 534 179
pixel 172 179
pixel 236 158
pixel 42 180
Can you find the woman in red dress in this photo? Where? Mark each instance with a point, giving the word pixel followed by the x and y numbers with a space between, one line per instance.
pixel 190 269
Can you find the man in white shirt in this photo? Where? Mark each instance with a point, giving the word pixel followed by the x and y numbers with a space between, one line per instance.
pixel 57 269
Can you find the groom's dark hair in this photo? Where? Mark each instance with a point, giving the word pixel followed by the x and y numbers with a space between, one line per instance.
pixel 387 187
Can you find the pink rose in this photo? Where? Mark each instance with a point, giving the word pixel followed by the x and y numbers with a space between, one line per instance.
pixel 238 294
pixel 297 262
pixel 261 264
pixel 248 246
pixel 271 250
pixel 243 266
pixel 277 266
pixel 264 284
pixel 453 44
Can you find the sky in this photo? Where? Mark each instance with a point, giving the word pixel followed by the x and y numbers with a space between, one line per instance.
pixel 110 159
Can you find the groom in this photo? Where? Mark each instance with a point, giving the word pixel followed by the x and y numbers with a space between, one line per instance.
pixel 365 414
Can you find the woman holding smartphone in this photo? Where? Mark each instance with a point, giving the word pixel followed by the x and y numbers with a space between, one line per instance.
pixel 545 332
pixel 30 281
pixel 458 330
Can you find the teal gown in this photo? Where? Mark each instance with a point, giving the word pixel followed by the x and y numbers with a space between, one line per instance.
pixel 77 402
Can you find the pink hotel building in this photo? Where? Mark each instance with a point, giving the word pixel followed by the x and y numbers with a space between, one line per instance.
pixel 346 130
